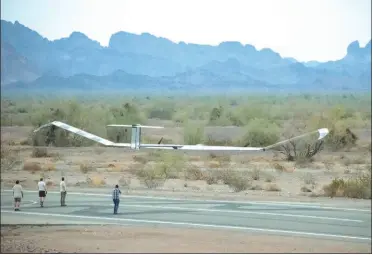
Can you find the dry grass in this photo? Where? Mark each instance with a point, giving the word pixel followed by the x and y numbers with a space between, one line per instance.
pixel 140 159
pixel 49 167
pixel 214 164
pixel 193 173
pixel 96 181
pixel 272 187
pixel 86 168
pixel 355 187
pixel 211 177
pixel 279 168
pixel 9 157
pixel 309 179
pixel 125 182
pixel 32 166
pixel 151 176
pixel 255 174
pixel 239 183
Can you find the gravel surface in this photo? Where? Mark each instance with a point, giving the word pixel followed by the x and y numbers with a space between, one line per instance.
pixel 128 239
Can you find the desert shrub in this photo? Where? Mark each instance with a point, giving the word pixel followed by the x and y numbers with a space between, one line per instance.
pixel 224 175
pixel 49 167
pixel 168 170
pixel 151 176
pixel 124 182
pixel 216 113
pixel 255 174
pixel 339 121
pixel 9 157
pixel 305 189
pixel 260 132
pixel 272 187
pixel 96 181
pixel 85 168
pixel 279 168
pixel 308 179
pixel 31 166
pixel 193 173
pixel 236 180
pixel 256 187
pixel 163 114
pixel 238 183
pixel 25 142
pixel 168 165
pixel 211 177
pixel 209 140
pixel 39 153
pixel 140 159
pixel 301 153
pixel 214 164
pixel 356 187
pixel 335 188
pixel 194 134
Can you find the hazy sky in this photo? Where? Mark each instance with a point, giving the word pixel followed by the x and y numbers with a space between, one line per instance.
pixel 304 29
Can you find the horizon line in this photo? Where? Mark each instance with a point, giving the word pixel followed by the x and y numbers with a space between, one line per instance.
pixel 183 42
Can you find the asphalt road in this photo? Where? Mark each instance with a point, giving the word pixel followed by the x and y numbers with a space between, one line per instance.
pixel 272 218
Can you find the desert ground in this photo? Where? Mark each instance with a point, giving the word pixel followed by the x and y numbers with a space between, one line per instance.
pixel 269 177
pixel 93 239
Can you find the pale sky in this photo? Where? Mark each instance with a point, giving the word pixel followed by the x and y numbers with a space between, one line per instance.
pixel 303 29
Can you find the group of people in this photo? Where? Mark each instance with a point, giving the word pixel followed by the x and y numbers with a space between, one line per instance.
pixel 42 188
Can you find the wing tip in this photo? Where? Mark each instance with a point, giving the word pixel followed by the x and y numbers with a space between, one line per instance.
pixel 323 132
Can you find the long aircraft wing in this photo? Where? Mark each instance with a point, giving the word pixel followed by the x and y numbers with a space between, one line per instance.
pixel 323 132
pixel 83 133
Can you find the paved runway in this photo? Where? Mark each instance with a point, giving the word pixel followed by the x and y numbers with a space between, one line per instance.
pixel 294 219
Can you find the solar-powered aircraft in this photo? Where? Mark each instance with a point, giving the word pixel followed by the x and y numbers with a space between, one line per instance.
pixel 136 144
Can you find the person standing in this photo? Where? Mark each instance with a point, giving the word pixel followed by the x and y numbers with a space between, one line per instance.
pixel 63 191
pixel 17 195
pixel 42 191
pixel 116 199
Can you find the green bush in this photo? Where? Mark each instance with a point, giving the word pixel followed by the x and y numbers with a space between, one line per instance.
pixel 194 134
pixel 261 132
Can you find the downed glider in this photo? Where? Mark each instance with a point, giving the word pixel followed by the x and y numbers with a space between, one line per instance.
pixel 136 139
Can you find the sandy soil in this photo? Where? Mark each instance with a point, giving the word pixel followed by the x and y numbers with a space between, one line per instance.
pixel 126 239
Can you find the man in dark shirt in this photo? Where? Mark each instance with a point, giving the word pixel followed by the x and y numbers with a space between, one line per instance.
pixel 116 194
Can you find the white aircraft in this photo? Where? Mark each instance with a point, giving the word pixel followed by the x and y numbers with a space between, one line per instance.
pixel 137 145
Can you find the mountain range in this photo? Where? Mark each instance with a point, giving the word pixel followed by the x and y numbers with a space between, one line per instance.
pixel 146 62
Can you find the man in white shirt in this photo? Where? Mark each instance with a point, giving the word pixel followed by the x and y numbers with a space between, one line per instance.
pixel 17 195
pixel 42 191
pixel 63 191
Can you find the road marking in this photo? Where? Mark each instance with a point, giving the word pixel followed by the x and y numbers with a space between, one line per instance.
pixel 271 203
pixel 191 224
pixel 31 202
pixel 239 211
pixel 139 205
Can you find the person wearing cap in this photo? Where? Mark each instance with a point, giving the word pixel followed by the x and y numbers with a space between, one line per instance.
pixel 115 195
pixel 17 195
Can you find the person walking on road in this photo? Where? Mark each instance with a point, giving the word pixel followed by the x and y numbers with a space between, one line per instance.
pixel 116 195
pixel 17 195
pixel 63 191
pixel 42 191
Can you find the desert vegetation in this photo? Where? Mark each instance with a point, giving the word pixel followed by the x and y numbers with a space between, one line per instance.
pixel 255 120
